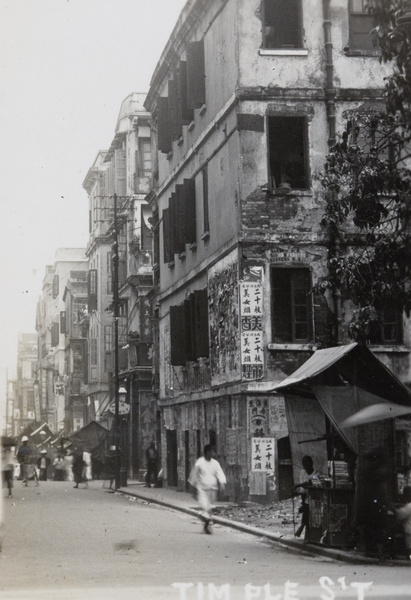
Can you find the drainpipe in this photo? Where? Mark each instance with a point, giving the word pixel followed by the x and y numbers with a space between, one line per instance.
pixel 329 93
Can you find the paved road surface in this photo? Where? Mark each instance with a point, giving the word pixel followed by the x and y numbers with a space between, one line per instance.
pixel 62 543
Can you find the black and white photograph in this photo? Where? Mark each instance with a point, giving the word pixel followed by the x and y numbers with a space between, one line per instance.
pixel 205 250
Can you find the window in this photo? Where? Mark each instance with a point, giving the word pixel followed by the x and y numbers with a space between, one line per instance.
pixel 288 161
pixel 163 126
pixel 196 92
pixel 54 334
pixel 143 165
pixel 179 220
pixel 388 329
pixel 63 321
pixel 92 290
pixel 189 339
pixel 291 305
pixel 360 25
pixel 108 338
pixel 109 273
pixel 282 24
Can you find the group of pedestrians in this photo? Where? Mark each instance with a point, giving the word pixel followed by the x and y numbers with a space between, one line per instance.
pixel 27 465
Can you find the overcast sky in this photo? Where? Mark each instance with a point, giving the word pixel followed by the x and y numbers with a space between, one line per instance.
pixel 66 66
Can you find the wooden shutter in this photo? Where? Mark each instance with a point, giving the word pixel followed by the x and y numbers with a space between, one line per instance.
pixel 177 335
pixel 173 110
pixel 172 206
pixel 196 95
pixel 180 219
pixel 201 323
pixel 187 114
pixel 190 224
pixel 166 236
pixel 92 290
pixel 189 316
pixel 163 126
pixel 54 334
pixel 63 324
pixel 120 181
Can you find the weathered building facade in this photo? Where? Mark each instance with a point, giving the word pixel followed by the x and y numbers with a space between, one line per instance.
pixel 120 254
pixel 246 98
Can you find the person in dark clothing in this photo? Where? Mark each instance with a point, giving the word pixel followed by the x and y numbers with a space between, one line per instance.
pixel 110 463
pixel 308 475
pixel 78 469
pixel 24 457
pixel 151 458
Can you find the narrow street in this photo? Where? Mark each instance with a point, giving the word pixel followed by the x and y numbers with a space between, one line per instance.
pixel 63 543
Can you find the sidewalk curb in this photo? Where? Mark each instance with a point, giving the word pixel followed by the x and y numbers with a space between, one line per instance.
pixel 298 546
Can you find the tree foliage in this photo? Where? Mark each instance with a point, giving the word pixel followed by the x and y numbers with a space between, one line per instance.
pixel 367 187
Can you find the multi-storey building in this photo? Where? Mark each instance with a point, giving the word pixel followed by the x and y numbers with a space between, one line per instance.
pixel 50 325
pixel 26 408
pixel 74 325
pixel 120 231
pixel 246 98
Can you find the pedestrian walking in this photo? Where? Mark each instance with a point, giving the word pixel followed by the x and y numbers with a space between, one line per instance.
pixel 78 468
pixel 24 457
pixel 8 464
pixel 207 477
pixel 43 464
pixel 68 466
pixel 110 461
pixel 87 473
pixel 152 462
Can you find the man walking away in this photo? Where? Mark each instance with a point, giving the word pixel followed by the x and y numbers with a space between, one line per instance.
pixel 207 478
pixel 151 458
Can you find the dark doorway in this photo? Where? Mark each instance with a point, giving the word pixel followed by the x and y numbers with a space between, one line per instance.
pixel 171 457
pixel 285 468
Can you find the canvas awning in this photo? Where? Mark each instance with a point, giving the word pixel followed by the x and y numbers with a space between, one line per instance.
pixel 345 366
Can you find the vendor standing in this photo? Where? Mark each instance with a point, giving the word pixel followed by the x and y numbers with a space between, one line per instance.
pixel 309 476
pixel 43 464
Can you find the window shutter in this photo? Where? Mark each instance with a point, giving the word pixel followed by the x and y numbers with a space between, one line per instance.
pixel 190 211
pixel 55 286
pixel 166 236
pixel 201 323
pixel 54 334
pixel 63 321
pixel 187 114
pixel 180 219
pixel 172 206
pixel 189 316
pixel 173 110
pixel 196 96
pixel 120 172
pixel 92 290
pixel 163 126
pixel 177 335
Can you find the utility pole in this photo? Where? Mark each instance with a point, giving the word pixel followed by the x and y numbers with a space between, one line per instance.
pixel 116 368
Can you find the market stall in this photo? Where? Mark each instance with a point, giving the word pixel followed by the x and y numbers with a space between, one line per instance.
pixel 334 384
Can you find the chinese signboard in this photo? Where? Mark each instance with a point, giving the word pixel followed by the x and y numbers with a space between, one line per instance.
pixel 251 311
pixel 262 455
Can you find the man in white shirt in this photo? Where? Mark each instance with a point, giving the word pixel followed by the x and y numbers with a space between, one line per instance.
pixel 207 477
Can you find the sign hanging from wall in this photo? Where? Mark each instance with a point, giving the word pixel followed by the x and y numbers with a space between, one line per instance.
pixel 262 454
pixel 251 316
